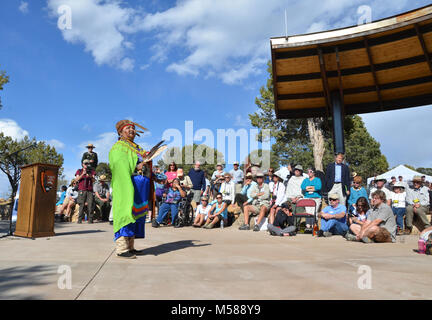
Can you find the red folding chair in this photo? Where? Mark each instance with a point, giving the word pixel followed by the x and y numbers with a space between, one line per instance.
pixel 303 203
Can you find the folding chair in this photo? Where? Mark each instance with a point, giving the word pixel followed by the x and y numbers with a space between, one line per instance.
pixel 303 203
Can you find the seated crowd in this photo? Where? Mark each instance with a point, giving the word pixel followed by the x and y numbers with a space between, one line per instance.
pixel 276 201
pixel 334 203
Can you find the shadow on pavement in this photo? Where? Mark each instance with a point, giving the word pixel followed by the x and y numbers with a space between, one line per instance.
pixel 172 246
pixel 77 232
pixel 24 277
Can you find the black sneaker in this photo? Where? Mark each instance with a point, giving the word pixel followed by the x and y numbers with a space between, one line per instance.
pixel 244 227
pixel 155 224
pixel 256 228
pixel 320 233
pixel 111 222
pixel 137 252
pixel 127 255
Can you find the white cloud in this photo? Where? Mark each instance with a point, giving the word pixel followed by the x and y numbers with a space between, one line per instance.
pixel 230 39
pixel 56 144
pixel 102 27
pixel 10 128
pixel 224 38
pixel 23 7
pixel 103 144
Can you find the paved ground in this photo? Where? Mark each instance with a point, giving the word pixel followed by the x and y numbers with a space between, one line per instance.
pixel 193 263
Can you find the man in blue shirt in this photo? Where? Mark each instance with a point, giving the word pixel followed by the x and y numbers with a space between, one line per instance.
pixel 337 178
pixel 333 218
pixel 197 177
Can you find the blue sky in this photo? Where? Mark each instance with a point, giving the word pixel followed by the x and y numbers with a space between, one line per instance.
pixel 162 63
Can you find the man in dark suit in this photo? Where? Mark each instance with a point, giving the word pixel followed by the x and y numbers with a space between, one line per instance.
pixel 337 178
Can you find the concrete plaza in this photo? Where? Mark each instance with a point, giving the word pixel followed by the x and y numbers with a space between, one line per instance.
pixel 189 263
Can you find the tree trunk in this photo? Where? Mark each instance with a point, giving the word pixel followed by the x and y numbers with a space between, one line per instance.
pixel 317 141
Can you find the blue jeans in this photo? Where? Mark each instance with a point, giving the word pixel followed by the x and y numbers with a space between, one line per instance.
pixel 164 209
pixel 399 213
pixel 334 226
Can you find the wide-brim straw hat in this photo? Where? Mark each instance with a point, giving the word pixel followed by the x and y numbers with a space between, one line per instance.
pixel 90 145
pixel 417 178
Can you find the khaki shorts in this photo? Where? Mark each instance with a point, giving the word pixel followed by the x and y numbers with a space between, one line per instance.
pixel 256 208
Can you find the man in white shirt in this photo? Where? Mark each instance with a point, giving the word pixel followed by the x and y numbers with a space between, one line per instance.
pixel 417 205
pixel 380 182
pixel 237 176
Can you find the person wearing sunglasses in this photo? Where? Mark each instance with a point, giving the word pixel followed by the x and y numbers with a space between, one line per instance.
pixel 333 218
pixel 217 212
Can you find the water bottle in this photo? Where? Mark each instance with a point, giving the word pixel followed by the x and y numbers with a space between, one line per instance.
pixel 421 246
pixel 222 224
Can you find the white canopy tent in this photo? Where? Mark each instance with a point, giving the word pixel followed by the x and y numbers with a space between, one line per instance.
pixel 407 174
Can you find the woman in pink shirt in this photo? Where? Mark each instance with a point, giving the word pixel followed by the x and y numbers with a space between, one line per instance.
pixel 171 173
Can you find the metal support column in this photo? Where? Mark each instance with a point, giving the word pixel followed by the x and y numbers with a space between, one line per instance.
pixel 338 122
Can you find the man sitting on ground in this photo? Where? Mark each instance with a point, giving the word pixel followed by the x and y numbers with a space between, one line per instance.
pixel 284 223
pixel 260 194
pixel 380 225
pixel 417 200
pixel 333 218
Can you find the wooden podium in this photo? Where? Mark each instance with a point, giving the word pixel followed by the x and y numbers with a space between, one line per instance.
pixel 37 199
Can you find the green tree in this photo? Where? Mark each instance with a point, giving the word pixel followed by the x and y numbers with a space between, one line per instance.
pixel 258 154
pixel 410 167
pixel 363 152
pixel 426 171
pixel 207 156
pixel 10 161
pixel 3 80
pixel 309 141
pixel 103 168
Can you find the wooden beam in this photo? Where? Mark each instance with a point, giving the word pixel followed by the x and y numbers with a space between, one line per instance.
pixel 373 70
pixel 423 45
pixel 324 80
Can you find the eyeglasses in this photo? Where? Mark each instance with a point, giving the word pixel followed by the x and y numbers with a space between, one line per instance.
pixel 333 199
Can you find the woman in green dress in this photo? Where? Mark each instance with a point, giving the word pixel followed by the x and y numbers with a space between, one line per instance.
pixel 130 189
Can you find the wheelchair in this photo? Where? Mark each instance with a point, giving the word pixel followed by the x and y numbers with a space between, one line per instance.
pixel 185 214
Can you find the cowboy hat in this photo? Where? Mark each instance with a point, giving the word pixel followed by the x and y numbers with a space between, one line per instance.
pixel 298 167
pixel 398 185
pixel 90 146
